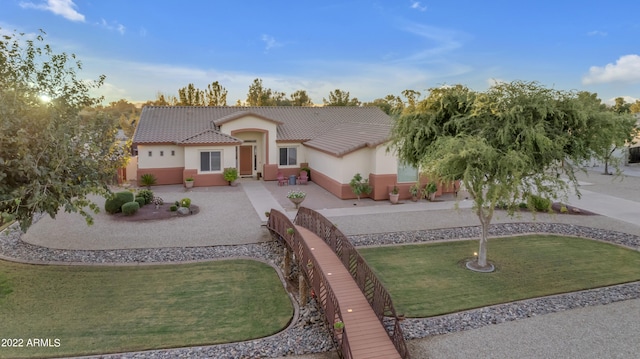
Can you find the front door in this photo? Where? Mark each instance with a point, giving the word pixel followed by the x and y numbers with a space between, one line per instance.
pixel 246 160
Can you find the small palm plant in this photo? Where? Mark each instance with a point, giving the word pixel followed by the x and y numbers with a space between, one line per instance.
pixel 148 180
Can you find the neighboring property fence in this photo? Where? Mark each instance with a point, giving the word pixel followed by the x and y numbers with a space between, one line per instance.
pixel 376 294
pixel 281 225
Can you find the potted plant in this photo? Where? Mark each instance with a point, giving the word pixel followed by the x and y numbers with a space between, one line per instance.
pixel 188 182
pixel 296 197
pixel 394 194
pixel 360 186
pixel 429 191
pixel 415 191
pixel 230 174
pixel 338 326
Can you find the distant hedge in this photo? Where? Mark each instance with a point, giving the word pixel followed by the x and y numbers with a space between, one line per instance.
pixel 114 204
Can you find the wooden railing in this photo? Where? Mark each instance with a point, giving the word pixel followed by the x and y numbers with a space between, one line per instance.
pixel 280 225
pixel 375 292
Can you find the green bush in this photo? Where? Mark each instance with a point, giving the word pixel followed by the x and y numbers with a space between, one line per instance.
pixel 141 201
pixel 115 202
pixel 130 208
pixel 147 194
pixel 173 208
pixel 185 202
pixel 540 204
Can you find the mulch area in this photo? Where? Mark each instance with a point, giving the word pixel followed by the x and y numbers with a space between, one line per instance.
pixel 150 212
pixel 571 210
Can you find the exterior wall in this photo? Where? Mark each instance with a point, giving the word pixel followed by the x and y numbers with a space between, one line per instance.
pixel 384 162
pixel 163 175
pixel 249 123
pixel 158 161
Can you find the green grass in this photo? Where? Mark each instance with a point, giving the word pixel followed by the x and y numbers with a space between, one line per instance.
pixel 430 279
pixel 102 309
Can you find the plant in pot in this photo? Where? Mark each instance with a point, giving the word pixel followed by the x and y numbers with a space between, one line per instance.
pixel 429 191
pixel 394 195
pixel 230 174
pixel 338 326
pixel 415 191
pixel 296 197
pixel 360 186
pixel 188 182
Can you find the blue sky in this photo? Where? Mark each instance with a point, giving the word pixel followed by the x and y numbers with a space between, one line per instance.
pixel 369 48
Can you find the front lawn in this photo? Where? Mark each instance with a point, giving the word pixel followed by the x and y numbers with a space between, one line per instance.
pixel 105 309
pixel 430 279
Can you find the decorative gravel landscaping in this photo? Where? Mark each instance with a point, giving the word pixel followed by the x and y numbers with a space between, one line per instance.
pixel 307 334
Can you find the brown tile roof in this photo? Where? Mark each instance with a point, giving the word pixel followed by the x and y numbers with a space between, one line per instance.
pixel 336 130
pixel 209 136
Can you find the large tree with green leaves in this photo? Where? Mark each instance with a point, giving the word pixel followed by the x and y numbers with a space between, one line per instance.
pixel 510 144
pixel 50 157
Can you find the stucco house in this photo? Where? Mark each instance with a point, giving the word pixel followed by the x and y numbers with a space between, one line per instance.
pixel 175 143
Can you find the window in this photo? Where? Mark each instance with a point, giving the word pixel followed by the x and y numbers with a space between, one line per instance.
pixel 161 153
pixel 173 153
pixel 150 153
pixel 210 161
pixel 407 173
pixel 288 156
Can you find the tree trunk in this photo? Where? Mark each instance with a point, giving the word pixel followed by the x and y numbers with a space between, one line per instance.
pixel 485 216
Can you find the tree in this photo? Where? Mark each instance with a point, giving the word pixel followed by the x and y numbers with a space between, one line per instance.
pixel 621 106
pixel 258 95
pixel 50 158
pixel 510 144
pixel 191 96
pixel 412 97
pixel 300 98
pixel 635 107
pixel 338 97
pixel 390 104
pixel 215 95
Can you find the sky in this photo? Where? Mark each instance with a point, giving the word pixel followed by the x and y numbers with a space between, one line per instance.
pixel 369 48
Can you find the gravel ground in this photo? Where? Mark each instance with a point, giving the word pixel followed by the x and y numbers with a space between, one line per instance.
pixel 219 206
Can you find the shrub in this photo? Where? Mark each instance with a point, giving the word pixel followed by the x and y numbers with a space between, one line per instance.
pixel 230 174
pixel 177 203
pixel 148 180
pixel 158 201
pixel 540 204
pixel 141 201
pixel 130 208
pixel 359 185
pixel 173 208
pixel 185 202
pixel 147 194
pixel 115 202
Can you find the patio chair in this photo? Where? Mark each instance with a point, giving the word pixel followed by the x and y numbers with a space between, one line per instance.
pixel 303 178
pixel 282 180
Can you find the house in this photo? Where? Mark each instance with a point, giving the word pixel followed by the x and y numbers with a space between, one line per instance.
pixel 175 143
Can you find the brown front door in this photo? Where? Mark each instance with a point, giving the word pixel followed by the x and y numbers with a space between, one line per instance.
pixel 246 160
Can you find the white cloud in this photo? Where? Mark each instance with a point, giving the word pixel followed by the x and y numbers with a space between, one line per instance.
pixel 64 8
pixel 417 6
pixel 625 70
pixel 270 42
pixel 597 33
pixel 113 26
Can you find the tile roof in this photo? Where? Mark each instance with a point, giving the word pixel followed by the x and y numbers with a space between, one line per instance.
pixel 336 130
pixel 209 136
